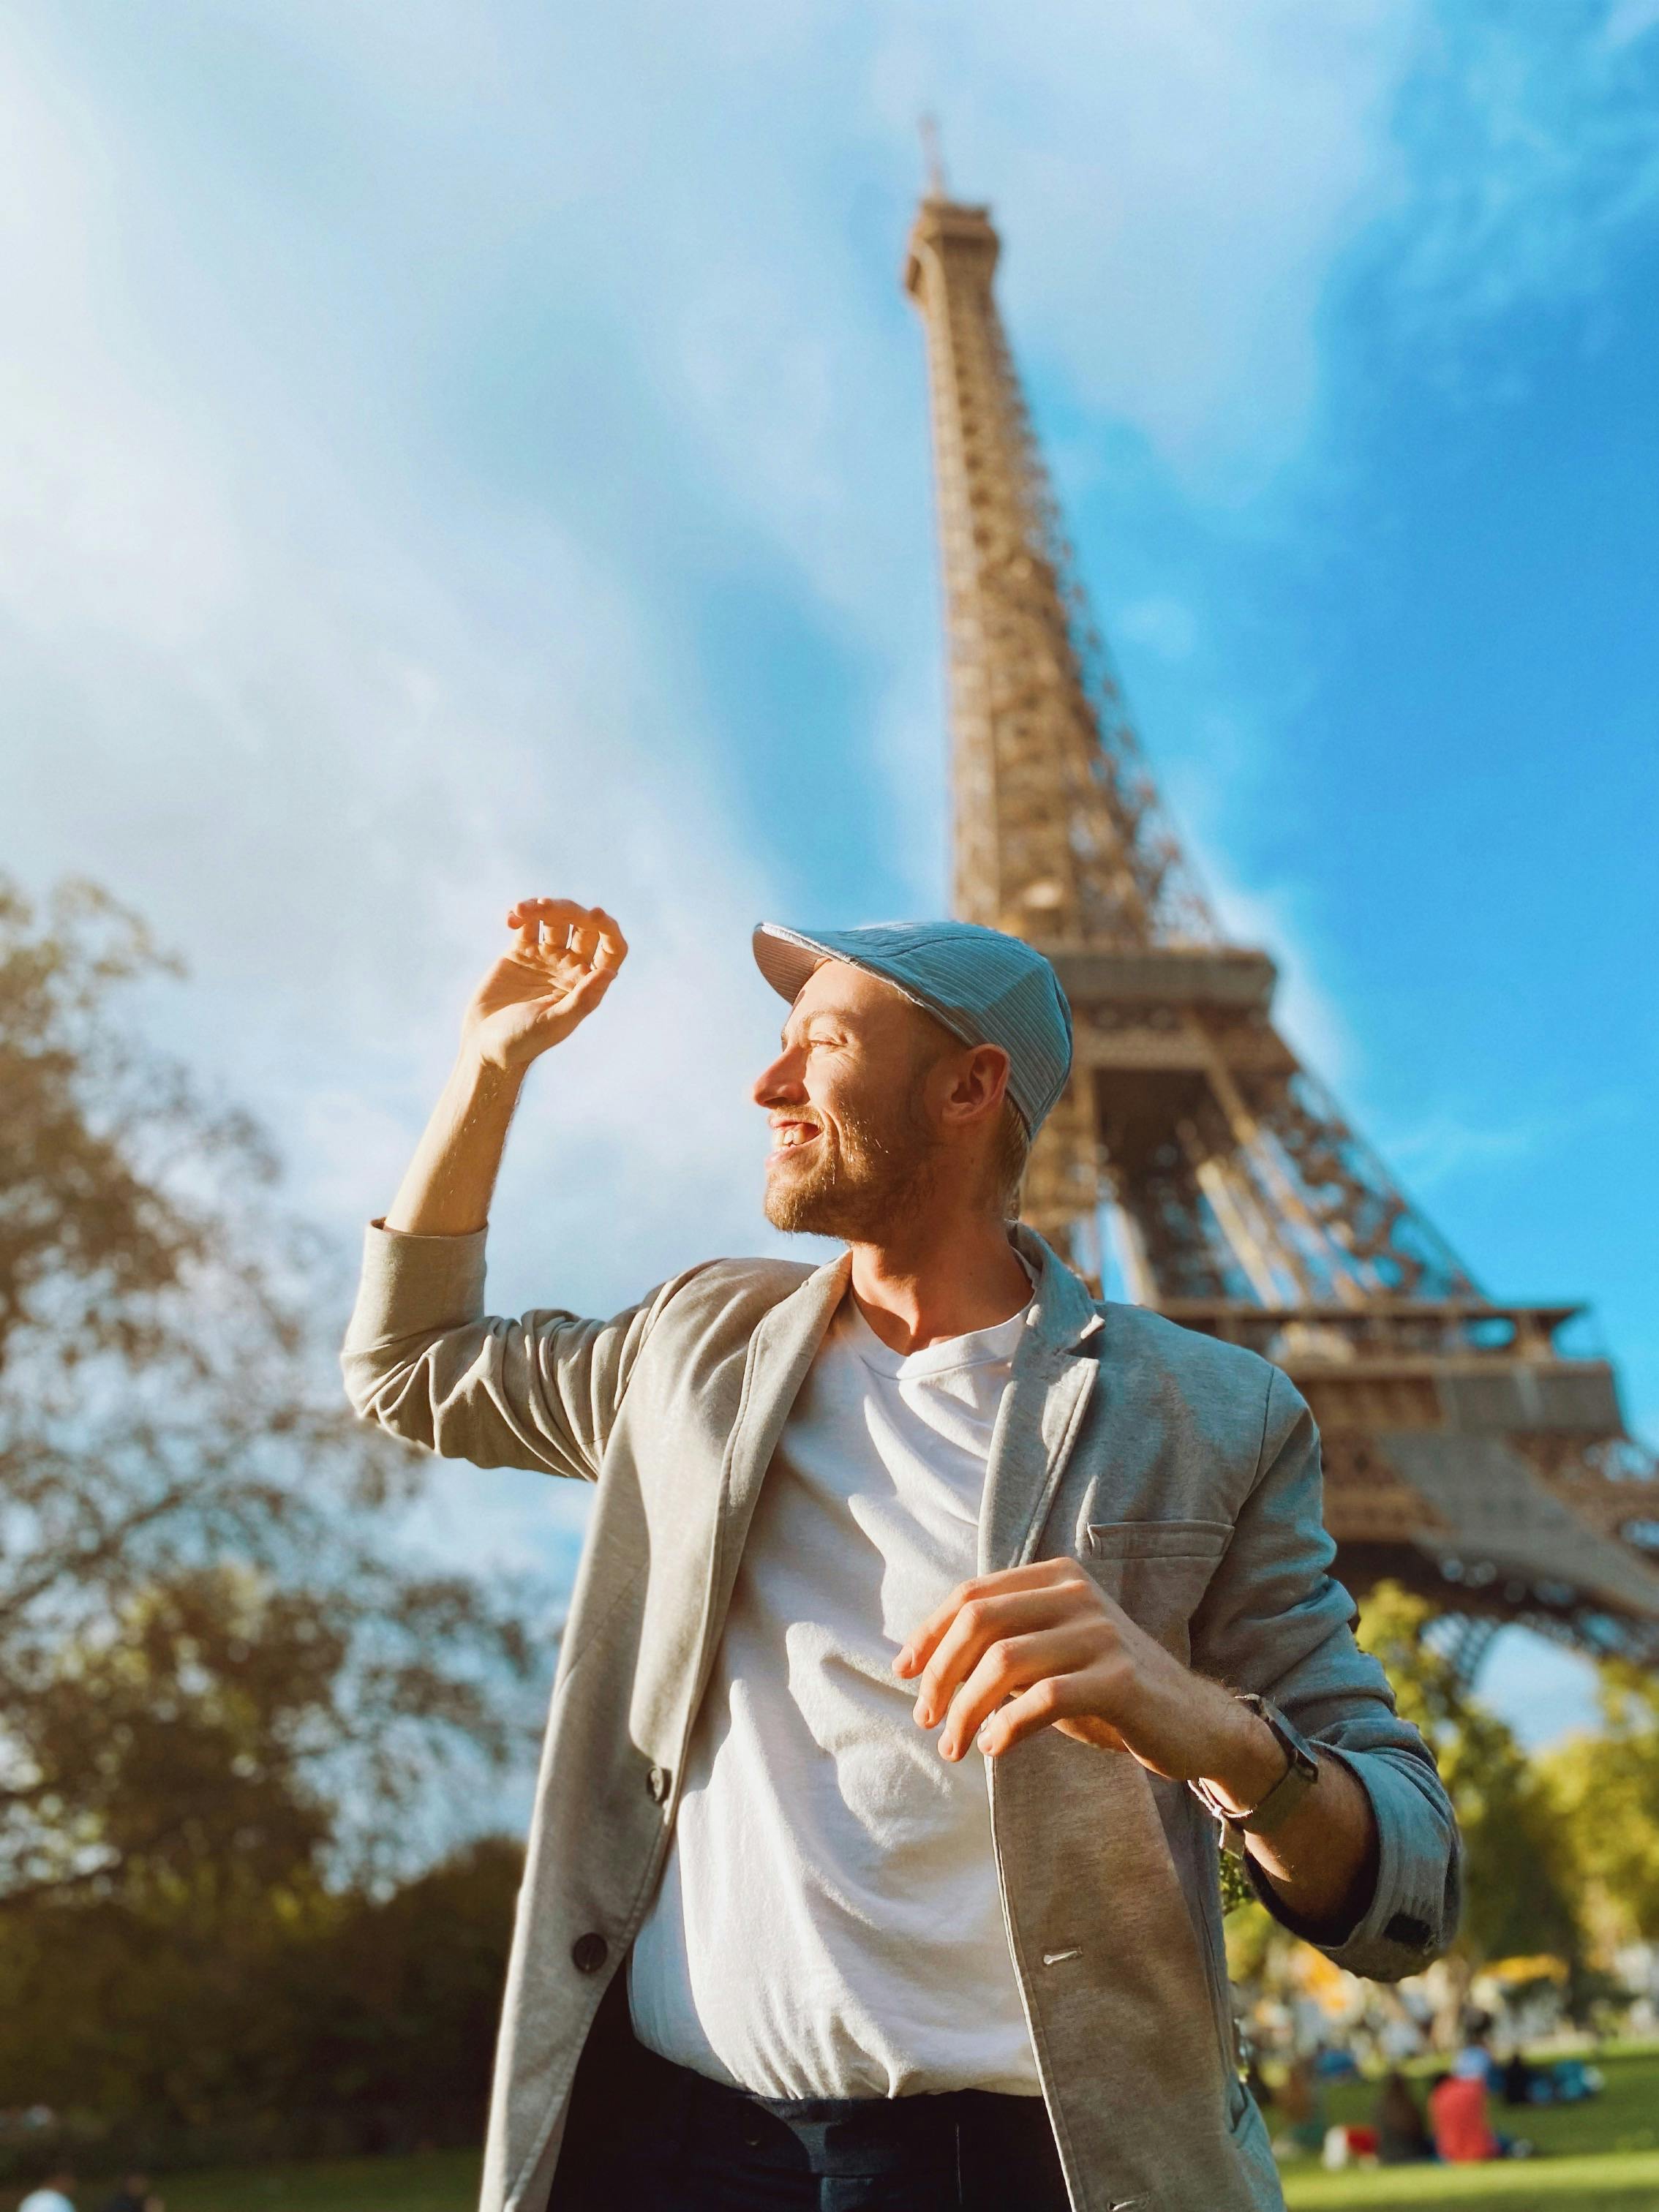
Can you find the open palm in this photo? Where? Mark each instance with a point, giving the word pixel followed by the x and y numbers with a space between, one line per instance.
pixel 563 962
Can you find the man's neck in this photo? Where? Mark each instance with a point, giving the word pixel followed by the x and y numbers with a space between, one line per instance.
pixel 942 1280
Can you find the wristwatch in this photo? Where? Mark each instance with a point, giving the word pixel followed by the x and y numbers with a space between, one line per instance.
pixel 1301 1773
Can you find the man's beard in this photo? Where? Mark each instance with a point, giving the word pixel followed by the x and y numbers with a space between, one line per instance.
pixel 863 1182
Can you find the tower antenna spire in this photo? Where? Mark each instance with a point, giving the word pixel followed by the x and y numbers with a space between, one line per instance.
pixel 933 157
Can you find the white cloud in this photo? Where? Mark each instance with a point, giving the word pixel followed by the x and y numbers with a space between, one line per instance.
pixel 1630 20
pixel 285 730
pixel 1530 141
pixel 1437 1150
pixel 1451 1146
pixel 1276 918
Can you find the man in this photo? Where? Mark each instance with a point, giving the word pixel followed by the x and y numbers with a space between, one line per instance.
pixel 908 1676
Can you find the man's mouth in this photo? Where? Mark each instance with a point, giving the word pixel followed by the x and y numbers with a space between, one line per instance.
pixel 791 1137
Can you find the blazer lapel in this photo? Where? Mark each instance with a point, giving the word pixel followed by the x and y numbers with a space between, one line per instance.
pixel 1042 1410
pixel 781 1352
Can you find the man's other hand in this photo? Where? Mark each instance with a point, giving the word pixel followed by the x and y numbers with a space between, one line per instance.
pixel 564 960
pixel 1043 1646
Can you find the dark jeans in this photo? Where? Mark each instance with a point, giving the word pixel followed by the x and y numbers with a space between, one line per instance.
pixel 665 2140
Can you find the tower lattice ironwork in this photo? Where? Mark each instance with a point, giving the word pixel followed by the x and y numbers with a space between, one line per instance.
pixel 1466 1455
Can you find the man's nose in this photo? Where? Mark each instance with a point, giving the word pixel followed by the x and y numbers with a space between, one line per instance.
pixel 781 1084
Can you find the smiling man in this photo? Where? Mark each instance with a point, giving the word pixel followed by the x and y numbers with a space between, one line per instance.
pixel 935 1624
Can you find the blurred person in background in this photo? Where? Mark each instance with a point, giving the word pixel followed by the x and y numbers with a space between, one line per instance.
pixel 935 1621
pixel 1402 2134
pixel 1520 2078
pixel 52 2194
pixel 134 2195
pixel 1301 2108
pixel 1474 2057
pixel 1458 2109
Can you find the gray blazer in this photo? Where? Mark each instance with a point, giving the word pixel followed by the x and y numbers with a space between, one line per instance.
pixel 1181 1472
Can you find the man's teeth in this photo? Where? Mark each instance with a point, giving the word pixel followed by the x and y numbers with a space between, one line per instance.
pixel 793 1133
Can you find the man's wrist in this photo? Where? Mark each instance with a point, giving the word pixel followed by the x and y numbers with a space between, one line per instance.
pixel 445 1190
pixel 485 1081
pixel 1246 1762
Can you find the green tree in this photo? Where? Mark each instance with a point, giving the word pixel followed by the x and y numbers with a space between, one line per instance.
pixel 1518 1889
pixel 1606 1790
pixel 209 1629
pixel 238 1714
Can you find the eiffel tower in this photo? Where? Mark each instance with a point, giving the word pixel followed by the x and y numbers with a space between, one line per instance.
pixel 1466 1456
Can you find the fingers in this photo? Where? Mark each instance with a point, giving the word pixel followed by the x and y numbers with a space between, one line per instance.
pixel 1057 1701
pixel 1039 1575
pixel 589 932
pixel 981 1623
pixel 529 916
pixel 597 939
pixel 994 1639
pixel 1011 1665
pixel 611 949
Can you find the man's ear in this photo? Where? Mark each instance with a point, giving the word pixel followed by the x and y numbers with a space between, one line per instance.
pixel 997 1085
pixel 980 1084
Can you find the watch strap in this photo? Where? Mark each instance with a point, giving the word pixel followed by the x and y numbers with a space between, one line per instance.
pixel 1301 1773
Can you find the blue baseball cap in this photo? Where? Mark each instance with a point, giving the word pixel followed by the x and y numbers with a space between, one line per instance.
pixel 986 987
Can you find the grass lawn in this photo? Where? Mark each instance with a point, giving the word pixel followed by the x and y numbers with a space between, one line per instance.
pixel 441 2181
pixel 1612 2181
pixel 1602 2156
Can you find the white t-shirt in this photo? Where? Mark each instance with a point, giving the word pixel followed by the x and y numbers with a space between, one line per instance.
pixel 828 1923
pixel 46 2200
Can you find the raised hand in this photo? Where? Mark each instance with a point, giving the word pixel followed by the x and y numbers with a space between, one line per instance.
pixel 564 960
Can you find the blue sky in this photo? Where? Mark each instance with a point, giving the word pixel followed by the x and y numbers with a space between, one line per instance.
pixel 463 447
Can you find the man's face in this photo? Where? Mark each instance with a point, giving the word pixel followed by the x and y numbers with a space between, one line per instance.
pixel 854 1151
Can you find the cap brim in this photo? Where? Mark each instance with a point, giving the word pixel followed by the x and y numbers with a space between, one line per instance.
pixel 787 958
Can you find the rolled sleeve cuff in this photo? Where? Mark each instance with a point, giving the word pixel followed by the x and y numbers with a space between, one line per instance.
pixel 1414 1908
pixel 412 1285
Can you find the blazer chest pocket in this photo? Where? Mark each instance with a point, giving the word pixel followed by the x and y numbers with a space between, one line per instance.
pixel 1156 1571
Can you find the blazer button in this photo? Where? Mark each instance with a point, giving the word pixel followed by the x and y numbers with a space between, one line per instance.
pixel 657 1783
pixel 589 1953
